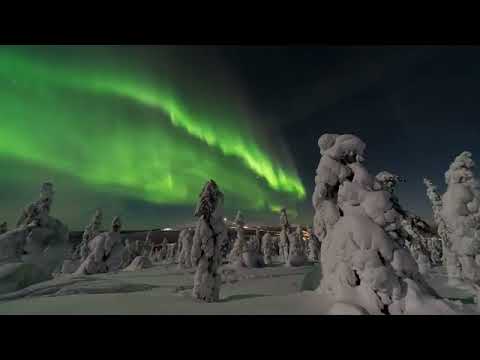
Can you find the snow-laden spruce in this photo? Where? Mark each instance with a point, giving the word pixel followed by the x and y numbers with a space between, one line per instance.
pixel 245 253
pixel 138 257
pixel 48 237
pixel 449 257
pixel 95 226
pixel 437 246
pixel 417 234
pixel 461 213
pixel 331 172
pixel 186 243
pixel 251 256
pixel 284 242
pixel 148 245
pixel 138 248
pixel 365 269
pixel 170 258
pixel 314 246
pixel 176 251
pixel 91 230
pixel 181 234
pixel 128 254
pixel 78 254
pixel 38 238
pixel 297 248
pixel 258 240
pixel 35 211
pixel 235 257
pixel 210 233
pixel 163 250
pixel 105 252
pixel 267 248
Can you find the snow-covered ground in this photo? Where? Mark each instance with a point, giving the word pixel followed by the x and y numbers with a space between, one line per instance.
pixel 163 289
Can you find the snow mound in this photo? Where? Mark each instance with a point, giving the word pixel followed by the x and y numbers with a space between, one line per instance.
pixel 70 266
pixel 75 285
pixel 139 263
pixel 346 309
pixel 419 303
pixel 16 276
pixel 312 279
pixel 252 259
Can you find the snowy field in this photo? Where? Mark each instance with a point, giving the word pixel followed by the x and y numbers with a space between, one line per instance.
pixel 165 290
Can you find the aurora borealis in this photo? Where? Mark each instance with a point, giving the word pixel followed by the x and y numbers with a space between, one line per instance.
pixel 108 119
pixel 137 130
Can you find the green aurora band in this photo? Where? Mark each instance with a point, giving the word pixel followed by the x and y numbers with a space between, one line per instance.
pixel 124 132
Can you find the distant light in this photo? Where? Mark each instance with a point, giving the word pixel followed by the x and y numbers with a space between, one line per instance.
pixel 245 227
pixel 167 229
pixel 224 219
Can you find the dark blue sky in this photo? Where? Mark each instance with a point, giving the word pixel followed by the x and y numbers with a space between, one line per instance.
pixel 415 107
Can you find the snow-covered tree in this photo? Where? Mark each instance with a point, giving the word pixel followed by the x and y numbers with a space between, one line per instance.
pixel 314 246
pixel 255 241
pixel 284 244
pixel 137 257
pixel 417 237
pixel 105 252
pixel 181 234
pixel 91 230
pixel 184 259
pixel 128 254
pixel 170 253
pixel 148 245
pixel 235 257
pixel 83 251
pixel 3 227
pixel 284 219
pixel 176 251
pixel 44 239
pixel 276 246
pixel 95 226
pixel 251 243
pixel 284 240
pixel 267 248
pixel 435 199
pixel 461 213
pixel 364 267
pixel 438 246
pixel 297 249
pixel 138 248
pixel 163 250
pixel 251 257
pixel 43 204
pixel 416 232
pixel 258 240
pixel 436 250
pixel 210 232
pixel 330 173
pixel 227 245
pixel 424 264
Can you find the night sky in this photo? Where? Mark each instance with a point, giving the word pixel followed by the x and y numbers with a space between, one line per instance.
pixel 137 130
